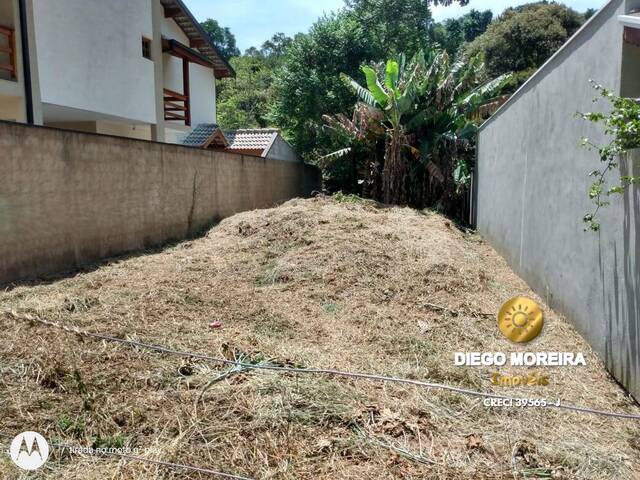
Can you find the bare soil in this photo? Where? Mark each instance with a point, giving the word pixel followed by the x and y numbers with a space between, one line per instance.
pixel 322 283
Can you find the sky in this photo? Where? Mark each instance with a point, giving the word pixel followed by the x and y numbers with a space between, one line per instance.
pixel 254 21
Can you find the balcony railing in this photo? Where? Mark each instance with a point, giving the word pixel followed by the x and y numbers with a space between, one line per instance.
pixel 177 107
pixel 8 51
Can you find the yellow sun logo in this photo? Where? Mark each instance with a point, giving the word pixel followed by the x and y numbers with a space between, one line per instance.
pixel 521 320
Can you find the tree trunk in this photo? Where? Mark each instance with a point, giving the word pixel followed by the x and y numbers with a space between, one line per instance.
pixel 393 173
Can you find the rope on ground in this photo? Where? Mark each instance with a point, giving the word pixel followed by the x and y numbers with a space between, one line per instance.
pixel 161 463
pixel 308 371
pixel 457 313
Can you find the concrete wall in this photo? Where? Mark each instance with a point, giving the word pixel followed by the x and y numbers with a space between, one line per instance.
pixel 281 150
pixel 68 199
pixel 12 108
pixel 90 56
pixel 532 195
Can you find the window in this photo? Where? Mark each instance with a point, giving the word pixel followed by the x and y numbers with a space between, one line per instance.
pixel 146 48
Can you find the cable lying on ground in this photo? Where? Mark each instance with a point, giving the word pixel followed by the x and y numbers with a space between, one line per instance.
pixel 309 371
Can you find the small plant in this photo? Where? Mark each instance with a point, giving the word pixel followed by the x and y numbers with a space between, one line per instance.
pixel 83 391
pixel 346 198
pixel 74 427
pixel 108 442
pixel 331 308
pixel 271 275
pixel 622 124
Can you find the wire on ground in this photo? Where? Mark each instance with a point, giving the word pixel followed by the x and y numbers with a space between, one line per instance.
pixel 307 371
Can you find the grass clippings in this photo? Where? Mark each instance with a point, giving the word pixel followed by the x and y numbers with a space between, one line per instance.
pixel 318 283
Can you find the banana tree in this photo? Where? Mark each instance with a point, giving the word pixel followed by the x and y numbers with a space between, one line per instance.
pixel 391 89
pixel 449 108
pixel 429 111
pixel 362 134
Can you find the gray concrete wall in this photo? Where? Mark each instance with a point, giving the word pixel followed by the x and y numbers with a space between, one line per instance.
pixel 281 150
pixel 68 199
pixel 532 195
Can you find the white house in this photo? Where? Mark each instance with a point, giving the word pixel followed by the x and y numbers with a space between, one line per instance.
pixel 133 68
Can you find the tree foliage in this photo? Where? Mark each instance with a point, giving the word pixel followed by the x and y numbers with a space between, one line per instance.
pixel 453 33
pixel 393 26
pixel 246 101
pixel 423 115
pixel 525 37
pixel 308 85
pixel 276 46
pixel 222 38
pixel 622 125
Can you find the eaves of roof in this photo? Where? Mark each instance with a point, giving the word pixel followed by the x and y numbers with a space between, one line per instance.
pixel 178 11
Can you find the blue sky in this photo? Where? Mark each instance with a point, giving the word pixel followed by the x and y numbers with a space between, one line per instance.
pixel 254 21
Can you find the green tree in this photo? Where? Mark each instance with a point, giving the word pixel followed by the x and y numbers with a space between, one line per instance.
pixel 453 33
pixel 525 37
pixel 394 98
pixel 222 38
pixel 475 23
pixel 276 46
pixel 427 111
pixel 308 84
pixel 394 26
pixel 590 13
pixel 246 101
pixel 452 94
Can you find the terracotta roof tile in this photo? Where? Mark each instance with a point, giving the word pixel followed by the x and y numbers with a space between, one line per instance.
pixel 200 135
pixel 254 139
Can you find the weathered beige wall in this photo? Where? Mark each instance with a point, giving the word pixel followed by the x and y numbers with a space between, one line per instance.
pixel 68 199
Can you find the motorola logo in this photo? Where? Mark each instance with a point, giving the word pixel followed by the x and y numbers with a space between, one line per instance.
pixel 29 450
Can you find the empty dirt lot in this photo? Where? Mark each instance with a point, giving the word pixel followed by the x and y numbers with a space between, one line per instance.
pixel 314 283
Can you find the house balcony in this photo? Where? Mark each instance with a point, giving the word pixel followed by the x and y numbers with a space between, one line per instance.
pixel 177 107
pixel 8 65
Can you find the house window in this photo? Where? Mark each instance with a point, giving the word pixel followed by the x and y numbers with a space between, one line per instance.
pixel 146 48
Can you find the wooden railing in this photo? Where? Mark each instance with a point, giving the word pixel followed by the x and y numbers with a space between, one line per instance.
pixel 8 51
pixel 177 107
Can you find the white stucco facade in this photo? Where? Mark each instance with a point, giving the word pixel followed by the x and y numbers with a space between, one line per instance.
pixel 89 56
pixel 203 87
pixel 91 74
pixel 202 79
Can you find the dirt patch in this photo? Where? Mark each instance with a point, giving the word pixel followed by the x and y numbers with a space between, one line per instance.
pixel 313 283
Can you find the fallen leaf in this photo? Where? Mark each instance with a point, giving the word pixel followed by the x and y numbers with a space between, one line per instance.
pixel 474 441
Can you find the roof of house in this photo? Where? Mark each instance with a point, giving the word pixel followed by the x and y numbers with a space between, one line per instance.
pixel 198 38
pixel 252 139
pixel 257 141
pixel 205 135
pixel 174 47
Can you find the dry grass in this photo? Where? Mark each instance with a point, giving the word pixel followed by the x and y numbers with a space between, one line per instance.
pixel 314 283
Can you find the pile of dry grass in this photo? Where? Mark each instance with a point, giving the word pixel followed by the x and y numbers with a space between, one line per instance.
pixel 315 283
